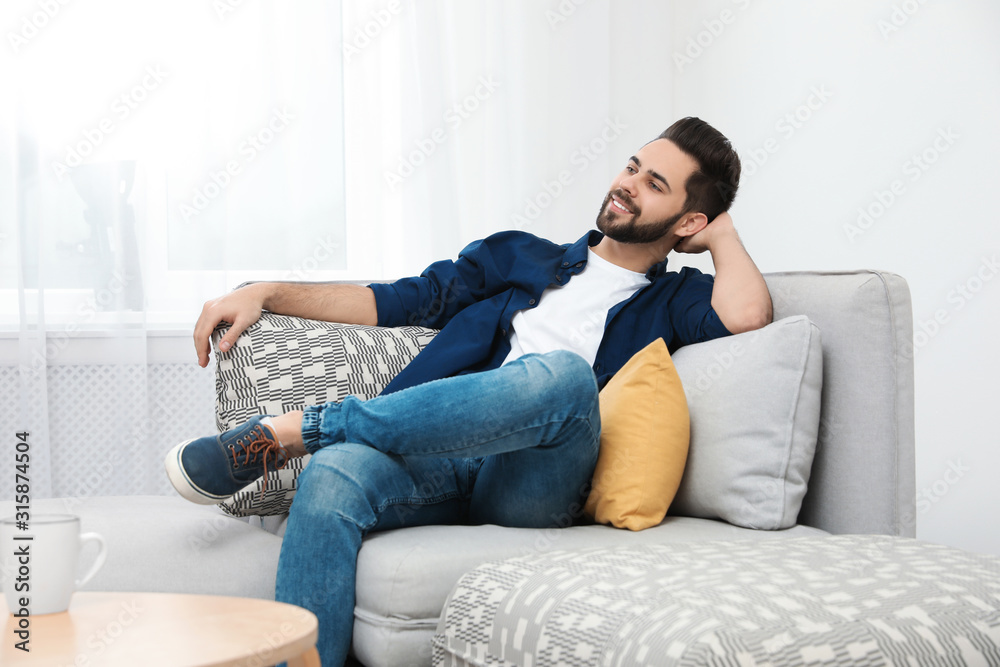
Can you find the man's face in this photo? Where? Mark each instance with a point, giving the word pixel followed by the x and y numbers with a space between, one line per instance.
pixel 647 197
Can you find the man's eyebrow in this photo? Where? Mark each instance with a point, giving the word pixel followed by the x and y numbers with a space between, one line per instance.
pixel 652 173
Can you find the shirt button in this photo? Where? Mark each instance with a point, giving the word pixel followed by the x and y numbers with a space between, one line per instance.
pixel 559 279
pixel 578 264
pixel 503 332
pixel 531 302
pixel 565 263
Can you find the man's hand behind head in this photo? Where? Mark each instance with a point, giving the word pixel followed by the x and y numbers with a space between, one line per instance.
pixel 721 226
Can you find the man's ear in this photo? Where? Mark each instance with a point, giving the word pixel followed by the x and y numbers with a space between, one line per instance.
pixel 690 224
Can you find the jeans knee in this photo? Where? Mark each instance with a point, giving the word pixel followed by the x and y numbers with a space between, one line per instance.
pixel 569 369
pixel 335 481
pixel 569 362
pixel 575 377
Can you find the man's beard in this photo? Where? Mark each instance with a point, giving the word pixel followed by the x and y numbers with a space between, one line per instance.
pixel 631 232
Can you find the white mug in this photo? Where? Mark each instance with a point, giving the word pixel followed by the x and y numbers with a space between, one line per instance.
pixel 40 562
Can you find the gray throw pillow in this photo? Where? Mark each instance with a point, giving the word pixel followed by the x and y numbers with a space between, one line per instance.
pixel 754 400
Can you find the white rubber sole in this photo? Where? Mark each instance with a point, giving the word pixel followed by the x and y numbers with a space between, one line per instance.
pixel 183 484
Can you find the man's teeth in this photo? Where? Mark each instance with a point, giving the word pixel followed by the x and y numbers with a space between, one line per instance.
pixel 620 206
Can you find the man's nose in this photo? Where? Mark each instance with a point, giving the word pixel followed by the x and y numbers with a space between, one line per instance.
pixel 628 185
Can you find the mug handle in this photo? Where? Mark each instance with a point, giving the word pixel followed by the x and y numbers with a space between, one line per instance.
pixel 98 562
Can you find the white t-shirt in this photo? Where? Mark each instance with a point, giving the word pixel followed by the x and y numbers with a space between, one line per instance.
pixel 572 316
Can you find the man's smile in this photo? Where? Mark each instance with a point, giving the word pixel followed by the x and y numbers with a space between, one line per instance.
pixel 619 206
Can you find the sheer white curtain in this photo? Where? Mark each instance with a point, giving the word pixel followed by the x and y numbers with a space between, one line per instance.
pixel 155 155
pixel 469 117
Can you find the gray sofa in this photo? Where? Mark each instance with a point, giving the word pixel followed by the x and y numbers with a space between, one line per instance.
pixel 862 481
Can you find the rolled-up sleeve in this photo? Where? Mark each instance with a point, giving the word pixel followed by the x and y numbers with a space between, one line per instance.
pixel 691 313
pixel 441 291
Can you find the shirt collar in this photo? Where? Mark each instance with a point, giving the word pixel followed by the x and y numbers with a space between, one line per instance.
pixel 577 252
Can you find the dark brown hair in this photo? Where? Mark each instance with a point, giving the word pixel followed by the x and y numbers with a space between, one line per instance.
pixel 711 189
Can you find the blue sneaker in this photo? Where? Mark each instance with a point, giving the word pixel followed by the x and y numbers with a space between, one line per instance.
pixel 211 469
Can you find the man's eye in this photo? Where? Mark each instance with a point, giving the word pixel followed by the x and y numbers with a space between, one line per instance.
pixel 630 169
pixel 655 186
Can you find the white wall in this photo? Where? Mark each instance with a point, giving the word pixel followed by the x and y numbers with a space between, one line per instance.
pixel 890 83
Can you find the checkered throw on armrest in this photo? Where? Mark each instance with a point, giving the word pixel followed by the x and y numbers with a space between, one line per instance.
pixel 283 363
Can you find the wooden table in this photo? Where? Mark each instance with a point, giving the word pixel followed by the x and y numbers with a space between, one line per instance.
pixel 166 629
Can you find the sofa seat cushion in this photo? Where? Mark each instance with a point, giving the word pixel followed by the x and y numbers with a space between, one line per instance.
pixel 404 577
pixel 846 599
pixel 167 544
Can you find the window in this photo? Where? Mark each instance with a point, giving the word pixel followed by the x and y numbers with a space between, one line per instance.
pixel 162 152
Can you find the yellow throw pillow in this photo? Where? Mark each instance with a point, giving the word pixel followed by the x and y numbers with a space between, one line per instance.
pixel 645 432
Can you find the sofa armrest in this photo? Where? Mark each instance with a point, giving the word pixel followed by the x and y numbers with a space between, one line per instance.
pixel 283 363
pixel 863 476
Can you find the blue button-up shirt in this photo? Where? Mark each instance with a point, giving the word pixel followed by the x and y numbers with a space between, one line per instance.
pixel 473 299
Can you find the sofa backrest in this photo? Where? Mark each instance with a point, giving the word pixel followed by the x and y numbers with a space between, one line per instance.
pixel 863 477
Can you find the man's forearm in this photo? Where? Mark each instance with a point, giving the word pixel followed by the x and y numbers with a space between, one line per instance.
pixel 739 296
pixel 345 303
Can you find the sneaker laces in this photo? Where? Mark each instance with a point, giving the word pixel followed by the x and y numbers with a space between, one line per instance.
pixel 260 446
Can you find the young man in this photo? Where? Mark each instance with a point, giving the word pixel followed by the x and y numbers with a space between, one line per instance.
pixel 496 420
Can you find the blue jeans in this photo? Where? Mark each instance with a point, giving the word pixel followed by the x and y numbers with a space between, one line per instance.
pixel 515 446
